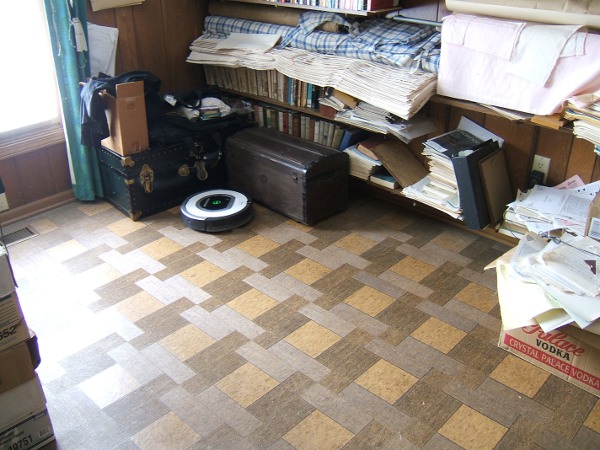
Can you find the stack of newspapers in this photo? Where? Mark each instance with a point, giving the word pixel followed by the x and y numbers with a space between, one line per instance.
pixel 584 111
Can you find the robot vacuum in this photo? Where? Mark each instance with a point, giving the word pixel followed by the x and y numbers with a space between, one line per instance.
pixel 216 210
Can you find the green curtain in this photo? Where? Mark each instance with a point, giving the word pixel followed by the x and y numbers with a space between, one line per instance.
pixel 65 19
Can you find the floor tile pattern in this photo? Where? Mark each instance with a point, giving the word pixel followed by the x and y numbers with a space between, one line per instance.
pixel 375 328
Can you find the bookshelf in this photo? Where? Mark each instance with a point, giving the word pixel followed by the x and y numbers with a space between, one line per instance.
pixel 373 7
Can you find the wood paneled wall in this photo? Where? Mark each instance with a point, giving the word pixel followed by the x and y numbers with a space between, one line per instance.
pixel 155 36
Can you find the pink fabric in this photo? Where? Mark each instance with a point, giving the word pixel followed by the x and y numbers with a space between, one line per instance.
pixel 484 75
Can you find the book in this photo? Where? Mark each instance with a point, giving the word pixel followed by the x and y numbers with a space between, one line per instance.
pixel 351 136
pixel 368 145
pixel 453 142
pixel 383 178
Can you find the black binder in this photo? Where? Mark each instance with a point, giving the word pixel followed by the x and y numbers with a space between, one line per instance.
pixel 471 194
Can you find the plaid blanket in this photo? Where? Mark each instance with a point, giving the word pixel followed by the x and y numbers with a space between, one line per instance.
pixel 380 40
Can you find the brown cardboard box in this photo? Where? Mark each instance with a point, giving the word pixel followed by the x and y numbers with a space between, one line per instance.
pixel 568 352
pixel 7 281
pixel 16 366
pixel 33 432
pixel 13 328
pixel 21 402
pixel 126 116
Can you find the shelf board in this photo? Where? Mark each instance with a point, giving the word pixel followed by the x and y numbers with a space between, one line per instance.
pixel 317 8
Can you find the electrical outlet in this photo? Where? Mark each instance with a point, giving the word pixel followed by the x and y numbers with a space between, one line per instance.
pixel 3 202
pixel 541 164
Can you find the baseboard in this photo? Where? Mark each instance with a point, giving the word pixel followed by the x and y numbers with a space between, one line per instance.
pixel 39 206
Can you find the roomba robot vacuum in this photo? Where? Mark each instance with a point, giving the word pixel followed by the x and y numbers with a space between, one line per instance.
pixel 216 210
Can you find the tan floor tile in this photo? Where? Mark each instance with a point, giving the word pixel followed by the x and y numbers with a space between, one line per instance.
pixel 161 248
pixel 98 276
pixel 203 273
pixel 168 432
pixel 67 250
pixel 252 304
pixel 369 300
pixel 312 338
pixel 43 226
pixel 386 381
pixel 92 209
pixel 109 385
pixel 356 244
pixel 125 226
pixel 593 419
pixel 438 334
pixel 520 375
pixel 453 241
pixel 318 432
pixel 412 268
pixel 247 384
pixel 138 306
pixel 472 430
pixel 308 271
pixel 186 342
pixel 298 225
pixel 478 296
pixel 257 246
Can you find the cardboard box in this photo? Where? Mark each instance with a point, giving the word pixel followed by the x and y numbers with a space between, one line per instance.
pixel 7 280
pixel 126 116
pixel 31 433
pixel 21 402
pixel 16 366
pixel 13 328
pixel 570 353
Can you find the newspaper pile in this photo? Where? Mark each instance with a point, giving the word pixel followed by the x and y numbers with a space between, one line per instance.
pixel 584 111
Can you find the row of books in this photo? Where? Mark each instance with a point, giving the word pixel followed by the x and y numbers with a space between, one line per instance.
pixel 353 5
pixel 265 83
pixel 300 125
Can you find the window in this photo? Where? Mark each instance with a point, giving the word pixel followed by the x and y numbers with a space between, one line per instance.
pixel 29 108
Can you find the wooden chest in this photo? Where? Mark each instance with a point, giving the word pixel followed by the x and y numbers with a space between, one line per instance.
pixel 295 177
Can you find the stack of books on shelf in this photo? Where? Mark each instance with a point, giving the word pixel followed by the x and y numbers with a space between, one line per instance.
pixel 458 183
pixel 383 177
pixel 363 162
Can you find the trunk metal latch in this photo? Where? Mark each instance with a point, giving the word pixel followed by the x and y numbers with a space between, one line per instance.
pixel 147 178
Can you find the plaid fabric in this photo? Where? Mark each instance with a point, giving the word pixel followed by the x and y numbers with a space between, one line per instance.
pixel 380 40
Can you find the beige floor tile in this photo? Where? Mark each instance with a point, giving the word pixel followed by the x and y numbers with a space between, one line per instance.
pixel 203 273
pixel 412 268
pixel 138 306
pixel 186 342
pixel 593 419
pixel 308 271
pixel 438 334
pixel 252 303
pixel 472 430
pixel 452 241
pixel 247 384
pixel 98 276
pixel 161 248
pixel 356 244
pixel 312 338
pixel 298 225
pixel 478 297
pixel 67 250
pixel 257 246
pixel 386 381
pixel 109 385
pixel 43 226
pixel 167 433
pixel 369 300
pixel 91 209
pixel 318 432
pixel 125 226
pixel 520 375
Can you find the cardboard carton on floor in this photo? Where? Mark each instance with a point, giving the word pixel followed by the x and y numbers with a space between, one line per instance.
pixel 126 116
pixel 33 432
pixel 13 328
pixel 7 281
pixel 568 352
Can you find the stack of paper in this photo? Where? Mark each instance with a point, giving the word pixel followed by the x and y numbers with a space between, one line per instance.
pixel 543 209
pixel 584 111
pixel 550 283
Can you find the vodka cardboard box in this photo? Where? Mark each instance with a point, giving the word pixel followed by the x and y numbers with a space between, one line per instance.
pixel 7 281
pixel 568 352
pixel 127 121
pixel 21 402
pixel 16 366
